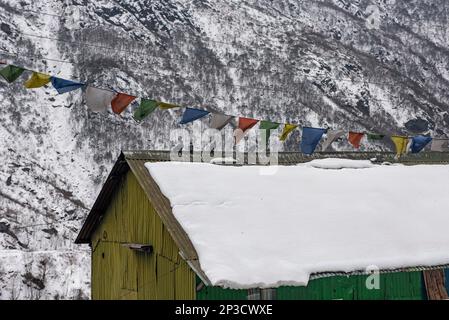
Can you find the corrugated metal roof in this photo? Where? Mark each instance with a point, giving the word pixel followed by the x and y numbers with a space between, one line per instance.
pixel 287 158
pixel 135 160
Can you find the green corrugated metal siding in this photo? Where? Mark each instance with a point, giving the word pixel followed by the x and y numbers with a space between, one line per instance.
pixel 216 293
pixel 393 286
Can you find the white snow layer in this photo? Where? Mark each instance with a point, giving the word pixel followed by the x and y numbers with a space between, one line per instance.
pixel 253 230
pixel 334 163
pixel 227 160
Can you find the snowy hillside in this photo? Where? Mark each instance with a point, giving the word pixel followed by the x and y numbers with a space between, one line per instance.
pixel 378 65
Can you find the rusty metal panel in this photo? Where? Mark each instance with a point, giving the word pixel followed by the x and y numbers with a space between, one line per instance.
pixel 435 284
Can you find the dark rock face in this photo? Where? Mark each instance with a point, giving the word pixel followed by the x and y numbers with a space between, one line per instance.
pixel 5 28
pixel 417 125
pixel 379 66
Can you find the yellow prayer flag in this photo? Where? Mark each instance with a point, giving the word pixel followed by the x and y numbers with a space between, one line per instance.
pixel 400 144
pixel 165 105
pixel 286 131
pixel 37 80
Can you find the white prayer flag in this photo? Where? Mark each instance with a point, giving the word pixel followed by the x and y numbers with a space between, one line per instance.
pixel 98 100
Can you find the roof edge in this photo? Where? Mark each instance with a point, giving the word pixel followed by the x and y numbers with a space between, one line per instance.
pixel 103 199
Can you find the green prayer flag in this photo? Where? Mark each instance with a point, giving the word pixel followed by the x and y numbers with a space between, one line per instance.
pixel 268 125
pixel 10 73
pixel 145 108
pixel 375 136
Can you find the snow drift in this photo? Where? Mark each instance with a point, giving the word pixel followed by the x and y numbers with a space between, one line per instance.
pixel 334 163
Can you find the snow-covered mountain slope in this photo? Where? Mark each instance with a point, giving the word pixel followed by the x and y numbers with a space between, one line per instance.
pixel 360 65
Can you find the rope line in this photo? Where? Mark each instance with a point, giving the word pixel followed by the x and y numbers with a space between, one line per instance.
pixel 267 89
pixel 193 80
pixel 197 37
pixel 48 224
pixel 229 67
pixel 267 71
pixel 439 26
pixel 190 37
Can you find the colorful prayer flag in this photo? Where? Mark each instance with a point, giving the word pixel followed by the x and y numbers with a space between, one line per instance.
pixel 419 142
pixel 37 80
pixel 165 105
pixel 145 108
pixel 219 121
pixel 355 138
pixel 331 136
pixel 439 145
pixel 191 114
pixel 244 125
pixel 64 86
pixel 11 73
pixel 310 139
pixel 268 126
pixel 400 144
pixel 286 131
pixel 98 100
pixel 120 102
pixel 375 136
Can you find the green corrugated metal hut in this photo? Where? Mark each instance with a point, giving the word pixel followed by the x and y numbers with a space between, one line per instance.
pixel 140 251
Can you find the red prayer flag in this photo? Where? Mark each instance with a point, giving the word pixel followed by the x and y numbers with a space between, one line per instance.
pixel 120 102
pixel 355 138
pixel 246 123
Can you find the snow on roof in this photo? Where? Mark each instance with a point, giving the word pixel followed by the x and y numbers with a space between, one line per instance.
pixel 254 230
pixel 333 163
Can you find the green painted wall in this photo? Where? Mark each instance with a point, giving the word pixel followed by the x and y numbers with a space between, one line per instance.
pixel 393 286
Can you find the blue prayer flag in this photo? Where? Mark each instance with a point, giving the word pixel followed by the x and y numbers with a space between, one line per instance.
pixel 310 139
pixel 191 114
pixel 64 86
pixel 419 142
